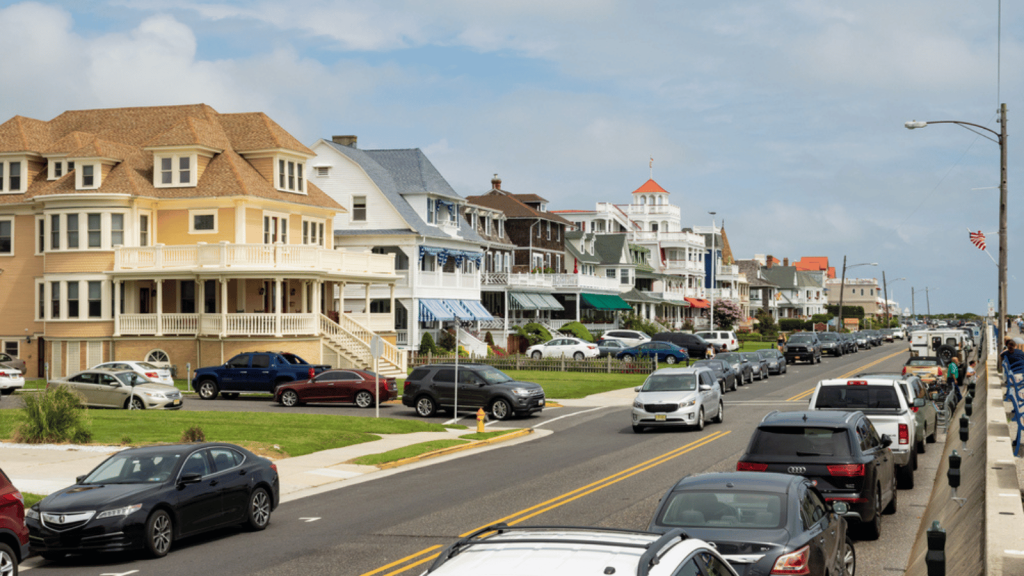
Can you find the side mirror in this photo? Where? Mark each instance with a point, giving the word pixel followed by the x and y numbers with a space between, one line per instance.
pixel 918 402
pixel 840 508
pixel 705 387
pixel 191 478
pixel 78 479
pixel 637 388
pixel 886 441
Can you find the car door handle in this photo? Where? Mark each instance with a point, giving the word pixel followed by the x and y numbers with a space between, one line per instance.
pixel 213 482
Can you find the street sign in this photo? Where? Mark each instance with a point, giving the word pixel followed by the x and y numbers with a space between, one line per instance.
pixel 376 346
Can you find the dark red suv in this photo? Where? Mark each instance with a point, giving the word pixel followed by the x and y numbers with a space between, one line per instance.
pixel 13 532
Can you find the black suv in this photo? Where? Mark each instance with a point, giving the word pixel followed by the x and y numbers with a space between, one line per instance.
pixel 839 451
pixel 432 387
pixel 695 346
pixel 832 344
pixel 803 346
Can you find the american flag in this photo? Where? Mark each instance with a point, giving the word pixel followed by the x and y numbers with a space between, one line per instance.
pixel 978 239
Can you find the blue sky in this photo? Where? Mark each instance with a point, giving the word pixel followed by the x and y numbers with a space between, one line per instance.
pixel 786 118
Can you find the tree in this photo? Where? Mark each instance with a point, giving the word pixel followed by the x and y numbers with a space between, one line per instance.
pixel 766 325
pixel 727 314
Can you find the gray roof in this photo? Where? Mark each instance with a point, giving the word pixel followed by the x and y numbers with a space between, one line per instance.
pixel 635 295
pixel 609 247
pixel 400 172
pixel 707 241
pixel 380 232
pixel 783 276
pixel 570 247
pixel 752 269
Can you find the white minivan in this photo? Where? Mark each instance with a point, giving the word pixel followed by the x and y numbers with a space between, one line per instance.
pixel 724 340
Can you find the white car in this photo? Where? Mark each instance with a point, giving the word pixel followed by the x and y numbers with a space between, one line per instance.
pixel 502 550
pixel 724 340
pixel 630 337
pixel 678 396
pixel 10 380
pixel 564 347
pixel 143 369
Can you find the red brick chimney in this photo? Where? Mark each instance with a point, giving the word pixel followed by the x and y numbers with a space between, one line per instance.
pixel 495 183
pixel 785 261
pixel 769 262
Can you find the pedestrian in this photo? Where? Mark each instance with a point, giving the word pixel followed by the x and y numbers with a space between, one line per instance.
pixel 781 342
pixel 1012 353
pixel 952 375
pixel 710 352
pixel 972 374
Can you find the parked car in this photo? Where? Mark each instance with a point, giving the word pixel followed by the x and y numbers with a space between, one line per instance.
pixel 666 352
pixel 12 362
pixel 610 347
pixel 337 386
pixel 889 334
pixel 564 347
pixel 678 396
pixel 803 346
pixel 503 550
pixel 741 365
pixel 143 369
pixel 149 497
pixel 10 380
pixel 776 360
pixel 851 342
pixel 628 337
pixel 863 340
pixel 724 372
pixel 928 368
pixel 432 387
pixel 120 389
pixel 831 344
pixel 695 346
pixel 14 547
pixel 760 364
pixel 886 406
pixel 724 340
pixel 252 372
pixel 784 518
pixel 925 416
pixel 841 452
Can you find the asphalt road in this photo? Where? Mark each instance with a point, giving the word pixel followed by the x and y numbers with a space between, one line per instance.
pixel 593 470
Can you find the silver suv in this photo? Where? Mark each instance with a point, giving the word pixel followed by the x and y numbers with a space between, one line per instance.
pixel 678 396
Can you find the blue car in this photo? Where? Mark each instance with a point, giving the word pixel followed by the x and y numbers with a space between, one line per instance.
pixel 666 352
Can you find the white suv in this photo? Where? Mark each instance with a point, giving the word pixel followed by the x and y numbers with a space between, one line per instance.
pixel 630 338
pixel 502 550
pixel 724 340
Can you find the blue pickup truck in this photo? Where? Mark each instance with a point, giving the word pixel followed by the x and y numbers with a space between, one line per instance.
pixel 252 372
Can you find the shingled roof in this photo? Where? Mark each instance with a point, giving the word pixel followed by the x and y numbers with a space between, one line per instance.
pixel 513 206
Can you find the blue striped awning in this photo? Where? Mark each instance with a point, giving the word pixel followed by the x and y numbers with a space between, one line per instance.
pixel 460 311
pixel 477 309
pixel 433 309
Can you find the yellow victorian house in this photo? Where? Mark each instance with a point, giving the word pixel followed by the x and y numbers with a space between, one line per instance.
pixel 176 235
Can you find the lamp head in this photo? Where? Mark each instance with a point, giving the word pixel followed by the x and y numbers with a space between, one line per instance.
pixel 915 124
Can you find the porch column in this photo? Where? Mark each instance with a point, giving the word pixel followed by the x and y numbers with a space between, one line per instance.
pixel 159 307
pixel 200 305
pixel 117 308
pixel 223 307
pixel 367 309
pixel 579 296
pixel 392 304
pixel 318 290
pixel 277 307
pixel 341 298
pixel 505 327
pixel 305 297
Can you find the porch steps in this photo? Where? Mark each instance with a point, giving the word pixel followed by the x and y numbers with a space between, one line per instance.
pixel 351 340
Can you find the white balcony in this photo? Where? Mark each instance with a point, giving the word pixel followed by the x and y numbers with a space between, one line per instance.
pixel 674 239
pixel 438 279
pixel 285 257
pixel 652 209
pixel 726 293
pixel 695 293
pixel 554 281
pixel 255 324
pixel 683 267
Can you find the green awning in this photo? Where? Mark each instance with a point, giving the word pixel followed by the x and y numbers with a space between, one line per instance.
pixel 551 301
pixel 521 301
pixel 604 302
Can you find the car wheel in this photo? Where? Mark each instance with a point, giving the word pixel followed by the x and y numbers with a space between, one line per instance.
pixel 627 357
pixel 159 533
pixel 364 399
pixel 931 438
pixel 819 358
pixel 425 406
pixel 537 355
pixel 670 360
pixel 134 403
pixel 920 450
pixel 873 529
pixel 849 558
pixel 577 356
pixel 733 384
pixel 700 419
pixel 905 476
pixel 259 509
pixel 289 398
pixel 8 561
pixel 207 389
pixel 893 504
pixel 638 429
pixel 785 368
pixel 720 417
pixel 501 409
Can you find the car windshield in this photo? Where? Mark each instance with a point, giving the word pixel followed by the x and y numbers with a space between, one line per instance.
pixel 857 397
pixel 670 383
pixel 829 337
pixel 133 469
pixel 492 375
pixel 752 356
pixel 799 338
pixel 800 441
pixel 713 364
pixel 767 354
pixel 129 377
pixel 730 358
pixel 740 510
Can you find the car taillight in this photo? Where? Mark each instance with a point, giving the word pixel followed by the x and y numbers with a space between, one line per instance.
pixel 273 467
pixel 848 500
pixel 3 374
pixel 793 563
pixel 904 370
pixel 856 382
pixel 750 467
pixel 152 375
pixel 846 470
pixel 11 497
pixel 904 434
pixel 592 347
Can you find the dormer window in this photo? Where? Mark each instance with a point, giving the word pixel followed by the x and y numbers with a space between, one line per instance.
pixel 88 177
pixel 11 176
pixel 289 176
pixel 175 170
pixel 58 167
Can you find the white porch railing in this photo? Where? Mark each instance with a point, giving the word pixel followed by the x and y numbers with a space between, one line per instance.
pixel 553 281
pixel 439 279
pixel 256 324
pixel 694 240
pixel 262 256
pixel 136 324
pixel 682 266
pixel 180 323
pixel 355 339
pixel 476 347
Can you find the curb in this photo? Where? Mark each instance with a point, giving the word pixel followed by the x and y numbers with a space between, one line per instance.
pixel 459 448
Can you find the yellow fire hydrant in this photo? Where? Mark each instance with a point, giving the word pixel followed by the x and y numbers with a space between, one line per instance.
pixel 480 420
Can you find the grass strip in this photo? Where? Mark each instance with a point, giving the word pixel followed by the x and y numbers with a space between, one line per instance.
pixel 487 435
pixel 406 452
pixel 268 434
pixel 576 384
pixel 31 498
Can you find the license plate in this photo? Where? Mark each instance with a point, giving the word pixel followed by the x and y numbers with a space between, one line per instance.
pixel 659 417
pixel 176 402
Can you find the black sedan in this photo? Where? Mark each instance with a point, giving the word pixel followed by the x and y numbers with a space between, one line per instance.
pixel 776 360
pixel 724 372
pixel 761 523
pixel 149 497
pixel 610 347
pixel 741 365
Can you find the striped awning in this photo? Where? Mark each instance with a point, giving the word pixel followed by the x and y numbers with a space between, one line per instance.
pixel 433 309
pixel 477 309
pixel 551 302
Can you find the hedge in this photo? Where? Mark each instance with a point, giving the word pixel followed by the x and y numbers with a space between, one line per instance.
pixel 578 330
pixel 748 337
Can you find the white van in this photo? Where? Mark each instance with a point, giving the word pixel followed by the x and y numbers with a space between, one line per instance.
pixel 941 343
pixel 724 340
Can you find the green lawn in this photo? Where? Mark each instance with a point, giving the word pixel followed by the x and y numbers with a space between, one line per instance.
pixel 31 498
pixel 270 434
pixel 576 384
pixel 755 346
pixel 406 452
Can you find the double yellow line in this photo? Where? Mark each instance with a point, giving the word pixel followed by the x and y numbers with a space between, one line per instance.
pixel 424 556
pixel 807 393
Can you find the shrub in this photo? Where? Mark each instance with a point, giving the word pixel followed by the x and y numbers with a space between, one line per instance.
pixel 56 415
pixel 632 321
pixel 791 324
pixel 126 439
pixel 193 433
pixel 447 340
pixel 748 337
pixel 534 333
pixel 766 325
pixel 427 345
pixel 578 330
pixel 727 314
pixel 489 339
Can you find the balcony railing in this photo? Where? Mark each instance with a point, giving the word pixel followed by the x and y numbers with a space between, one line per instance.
pixel 694 240
pixel 656 209
pixel 553 281
pixel 262 256
pixel 255 324
pixel 683 267
pixel 438 279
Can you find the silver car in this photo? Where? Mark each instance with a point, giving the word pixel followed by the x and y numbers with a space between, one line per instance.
pixel 120 389
pixel 678 396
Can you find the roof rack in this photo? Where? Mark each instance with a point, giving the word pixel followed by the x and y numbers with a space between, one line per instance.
pixel 653 551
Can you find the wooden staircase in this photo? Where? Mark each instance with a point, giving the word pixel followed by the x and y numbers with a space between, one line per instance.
pixel 351 340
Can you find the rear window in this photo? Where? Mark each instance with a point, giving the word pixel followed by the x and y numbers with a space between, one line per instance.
pixel 800 441
pixel 724 509
pixel 858 397
pixel 418 374
pixel 932 363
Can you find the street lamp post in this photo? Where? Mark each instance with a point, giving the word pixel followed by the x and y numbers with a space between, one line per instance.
pixel 842 288
pixel 885 289
pixel 714 264
pixel 1001 140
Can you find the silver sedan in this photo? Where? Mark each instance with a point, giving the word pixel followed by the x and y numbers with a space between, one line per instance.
pixel 120 389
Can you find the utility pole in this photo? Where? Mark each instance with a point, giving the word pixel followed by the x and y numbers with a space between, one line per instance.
pixel 913 308
pixel 842 291
pixel 885 290
pixel 1002 218
pixel 928 300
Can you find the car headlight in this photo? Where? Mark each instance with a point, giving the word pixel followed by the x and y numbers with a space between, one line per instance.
pixel 521 391
pixel 638 404
pixel 122 511
pixel 32 513
pixel 687 404
pixel 156 395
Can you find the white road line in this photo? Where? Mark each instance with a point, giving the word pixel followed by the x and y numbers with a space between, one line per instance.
pixel 568 415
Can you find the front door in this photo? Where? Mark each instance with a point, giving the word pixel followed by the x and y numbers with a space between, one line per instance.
pixel 232 483
pixel 235 372
pixel 112 392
